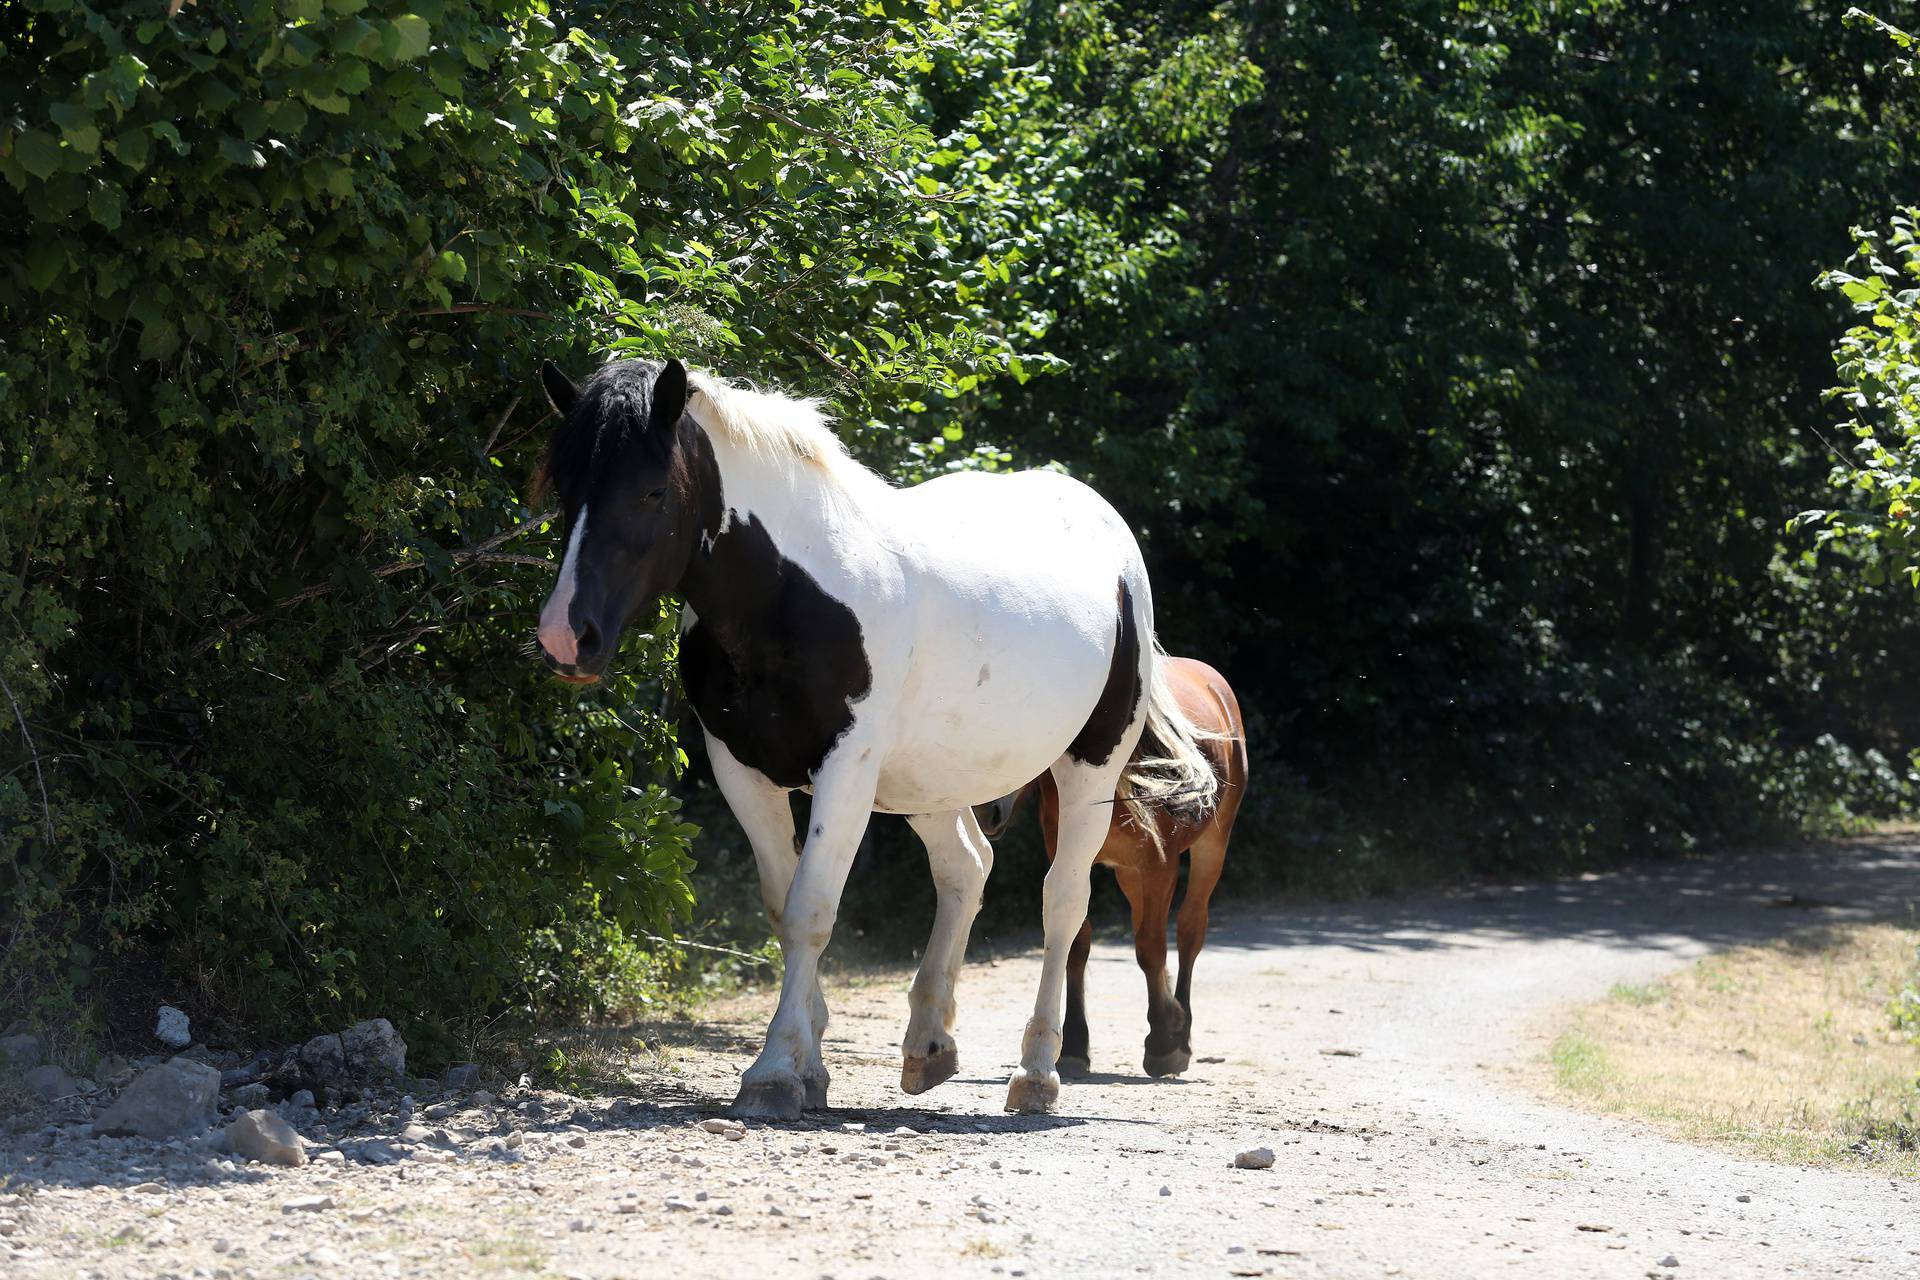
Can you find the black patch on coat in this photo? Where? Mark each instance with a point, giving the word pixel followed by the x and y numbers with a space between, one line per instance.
pixel 773 663
pixel 1095 742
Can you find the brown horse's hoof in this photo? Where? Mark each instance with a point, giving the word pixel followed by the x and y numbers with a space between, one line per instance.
pixel 1073 1067
pixel 1032 1095
pixel 775 1098
pixel 1168 1064
pixel 917 1075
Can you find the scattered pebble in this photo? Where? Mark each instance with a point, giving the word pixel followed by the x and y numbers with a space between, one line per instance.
pixel 307 1204
pixel 1254 1158
pixel 171 1028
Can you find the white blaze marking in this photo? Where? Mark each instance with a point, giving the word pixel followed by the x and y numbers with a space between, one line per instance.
pixel 556 628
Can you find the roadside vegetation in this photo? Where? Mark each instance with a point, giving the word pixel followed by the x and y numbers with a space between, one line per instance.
pixel 1804 1050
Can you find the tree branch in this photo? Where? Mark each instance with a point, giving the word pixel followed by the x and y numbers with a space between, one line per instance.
pixel 33 750
pixel 481 552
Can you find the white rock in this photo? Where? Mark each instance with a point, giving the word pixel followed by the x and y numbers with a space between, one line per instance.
pixel 266 1137
pixel 1254 1158
pixel 307 1204
pixel 171 1028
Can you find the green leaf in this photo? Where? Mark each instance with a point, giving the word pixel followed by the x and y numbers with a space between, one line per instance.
pixel 131 148
pixel 106 203
pixel 37 153
pixel 237 151
pixel 410 38
pixel 159 339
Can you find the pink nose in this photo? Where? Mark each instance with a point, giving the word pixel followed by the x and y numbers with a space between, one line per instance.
pixel 556 634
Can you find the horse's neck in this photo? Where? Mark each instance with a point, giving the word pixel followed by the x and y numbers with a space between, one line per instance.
pixel 770 509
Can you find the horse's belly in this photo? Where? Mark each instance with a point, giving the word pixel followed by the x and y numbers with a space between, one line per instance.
pixel 974 742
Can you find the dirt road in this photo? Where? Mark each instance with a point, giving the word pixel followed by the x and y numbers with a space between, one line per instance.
pixel 1385 1052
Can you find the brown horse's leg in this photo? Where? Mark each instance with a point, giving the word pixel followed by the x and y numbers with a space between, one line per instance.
pixel 1208 855
pixel 1151 893
pixel 1074 1059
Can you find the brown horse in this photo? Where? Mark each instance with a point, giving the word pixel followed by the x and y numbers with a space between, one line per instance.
pixel 1149 873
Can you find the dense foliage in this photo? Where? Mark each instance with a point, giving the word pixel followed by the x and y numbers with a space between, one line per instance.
pixel 277 277
pixel 1459 364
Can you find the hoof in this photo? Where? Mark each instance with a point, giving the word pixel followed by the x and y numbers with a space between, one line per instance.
pixel 917 1075
pixel 816 1090
pixel 1073 1067
pixel 1032 1095
pixel 779 1098
pixel 1168 1064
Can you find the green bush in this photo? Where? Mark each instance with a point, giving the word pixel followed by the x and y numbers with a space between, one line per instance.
pixel 277 277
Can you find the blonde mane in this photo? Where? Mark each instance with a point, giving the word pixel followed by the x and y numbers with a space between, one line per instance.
pixel 782 429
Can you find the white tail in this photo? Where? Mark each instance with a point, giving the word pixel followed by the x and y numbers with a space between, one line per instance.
pixel 1168 767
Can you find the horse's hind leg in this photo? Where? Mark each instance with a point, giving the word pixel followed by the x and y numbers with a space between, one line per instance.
pixel 1209 854
pixel 1075 1056
pixel 1150 891
pixel 1086 796
pixel 960 858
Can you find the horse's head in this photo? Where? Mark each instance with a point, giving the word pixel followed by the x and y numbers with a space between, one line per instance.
pixel 997 815
pixel 626 467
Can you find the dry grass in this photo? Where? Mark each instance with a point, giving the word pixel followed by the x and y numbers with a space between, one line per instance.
pixel 1785 1050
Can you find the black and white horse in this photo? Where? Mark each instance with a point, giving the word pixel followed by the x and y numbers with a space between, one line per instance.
pixel 913 651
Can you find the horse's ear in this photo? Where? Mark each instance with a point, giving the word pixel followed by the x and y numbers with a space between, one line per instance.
pixel 561 393
pixel 669 396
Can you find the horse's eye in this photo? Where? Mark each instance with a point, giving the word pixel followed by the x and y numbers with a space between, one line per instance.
pixel 654 495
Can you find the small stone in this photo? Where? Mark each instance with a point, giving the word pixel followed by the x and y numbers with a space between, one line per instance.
pixel 720 1125
pixel 171 1028
pixel 307 1204
pixel 51 1083
pixel 148 1188
pixel 168 1101
pixel 23 1050
pixel 514 1140
pixel 580 1224
pixel 1669 1261
pixel 267 1137
pixel 374 1048
pixel 481 1098
pixel 302 1100
pixel 1744 1199
pixel 1254 1158
pixel 249 1096
pixel 577 1140
pixel 1166 1191
pixel 679 1204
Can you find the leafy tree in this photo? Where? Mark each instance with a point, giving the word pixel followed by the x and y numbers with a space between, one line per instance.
pixel 280 277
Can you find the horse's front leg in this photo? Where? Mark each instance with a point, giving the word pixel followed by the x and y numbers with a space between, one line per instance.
pixel 961 858
pixel 789 1074
pixel 766 815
